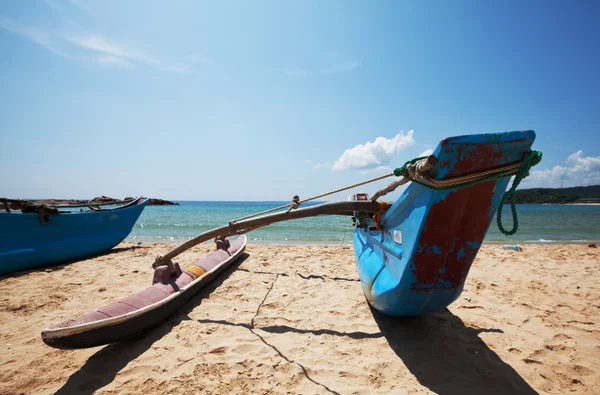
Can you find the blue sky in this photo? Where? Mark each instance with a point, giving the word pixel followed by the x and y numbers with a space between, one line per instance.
pixel 261 100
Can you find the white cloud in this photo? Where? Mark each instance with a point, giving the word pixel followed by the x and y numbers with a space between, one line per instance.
pixel 581 163
pixel 96 42
pixel 373 154
pixel 578 170
pixel 119 51
pixel 38 36
pixel 106 52
pixel 427 152
pixel 308 161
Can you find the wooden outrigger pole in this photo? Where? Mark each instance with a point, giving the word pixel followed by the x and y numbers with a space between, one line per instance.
pixel 244 226
pixel 252 222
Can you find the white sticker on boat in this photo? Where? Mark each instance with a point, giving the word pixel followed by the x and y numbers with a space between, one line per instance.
pixel 398 237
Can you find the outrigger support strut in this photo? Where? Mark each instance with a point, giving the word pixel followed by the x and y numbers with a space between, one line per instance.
pixel 243 226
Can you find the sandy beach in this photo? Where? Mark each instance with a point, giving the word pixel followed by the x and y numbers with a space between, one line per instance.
pixel 293 319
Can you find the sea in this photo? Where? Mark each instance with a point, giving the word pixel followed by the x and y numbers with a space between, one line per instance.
pixel 176 224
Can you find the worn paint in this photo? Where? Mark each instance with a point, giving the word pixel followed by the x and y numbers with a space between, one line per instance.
pixel 442 230
pixel 440 246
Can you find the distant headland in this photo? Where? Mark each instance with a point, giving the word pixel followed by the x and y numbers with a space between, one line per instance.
pixel 574 195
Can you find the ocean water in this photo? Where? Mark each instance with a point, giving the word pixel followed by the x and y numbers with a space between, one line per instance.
pixel 537 224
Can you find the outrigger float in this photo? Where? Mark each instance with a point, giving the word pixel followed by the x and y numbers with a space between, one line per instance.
pixel 413 256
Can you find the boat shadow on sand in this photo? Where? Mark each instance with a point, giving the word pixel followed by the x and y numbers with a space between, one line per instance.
pixel 101 368
pixel 439 350
pixel 62 265
pixel 448 357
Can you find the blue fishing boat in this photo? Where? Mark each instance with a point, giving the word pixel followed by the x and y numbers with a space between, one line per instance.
pixel 39 234
pixel 414 258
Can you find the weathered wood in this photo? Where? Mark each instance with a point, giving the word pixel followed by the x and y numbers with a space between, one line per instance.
pixel 428 164
pixel 331 208
pixel 422 167
pixel 389 188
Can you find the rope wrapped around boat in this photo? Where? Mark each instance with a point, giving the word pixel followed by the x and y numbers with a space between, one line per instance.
pixel 520 170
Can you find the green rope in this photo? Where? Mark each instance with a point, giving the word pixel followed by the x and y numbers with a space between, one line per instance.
pixel 403 171
pixel 532 158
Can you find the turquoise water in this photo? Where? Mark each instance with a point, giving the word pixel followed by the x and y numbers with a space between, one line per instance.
pixel 537 223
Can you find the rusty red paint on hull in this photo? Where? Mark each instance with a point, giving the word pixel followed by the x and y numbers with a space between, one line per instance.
pixel 443 261
pixel 444 256
pixel 472 159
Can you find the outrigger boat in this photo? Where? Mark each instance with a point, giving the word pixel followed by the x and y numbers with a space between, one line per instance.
pixel 41 233
pixel 413 256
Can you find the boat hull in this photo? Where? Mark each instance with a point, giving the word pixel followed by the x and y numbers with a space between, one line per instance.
pixel 27 244
pixel 88 331
pixel 418 262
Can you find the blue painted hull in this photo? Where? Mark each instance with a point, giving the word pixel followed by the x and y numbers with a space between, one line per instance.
pixel 25 243
pixel 419 260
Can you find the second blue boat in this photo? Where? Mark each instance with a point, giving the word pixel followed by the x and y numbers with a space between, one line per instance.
pixel 49 236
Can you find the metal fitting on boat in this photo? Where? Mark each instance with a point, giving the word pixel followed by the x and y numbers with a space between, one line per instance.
pixel 383 208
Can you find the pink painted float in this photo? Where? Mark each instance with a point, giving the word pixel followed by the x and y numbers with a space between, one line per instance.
pixel 138 313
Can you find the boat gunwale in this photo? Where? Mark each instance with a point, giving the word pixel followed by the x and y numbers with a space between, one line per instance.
pixel 130 204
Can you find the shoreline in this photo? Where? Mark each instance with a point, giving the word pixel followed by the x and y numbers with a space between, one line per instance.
pixel 348 242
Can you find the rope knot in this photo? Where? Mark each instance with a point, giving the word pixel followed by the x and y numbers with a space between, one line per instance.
pixel 162 261
pixel 409 167
pixel 295 202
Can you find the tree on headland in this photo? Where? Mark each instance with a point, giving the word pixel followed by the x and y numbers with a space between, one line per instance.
pixel 588 194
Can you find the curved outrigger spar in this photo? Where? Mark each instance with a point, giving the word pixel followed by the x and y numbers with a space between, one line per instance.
pixel 413 257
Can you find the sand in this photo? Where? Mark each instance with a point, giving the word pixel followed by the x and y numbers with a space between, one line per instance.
pixel 293 319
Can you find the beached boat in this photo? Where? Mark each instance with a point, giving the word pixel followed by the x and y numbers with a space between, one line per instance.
pixel 36 235
pixel 417 261
pixel 413 256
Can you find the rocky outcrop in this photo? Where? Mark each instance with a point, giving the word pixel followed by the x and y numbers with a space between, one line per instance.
pixel 151 202
pixel 161 202
pixel 103 199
